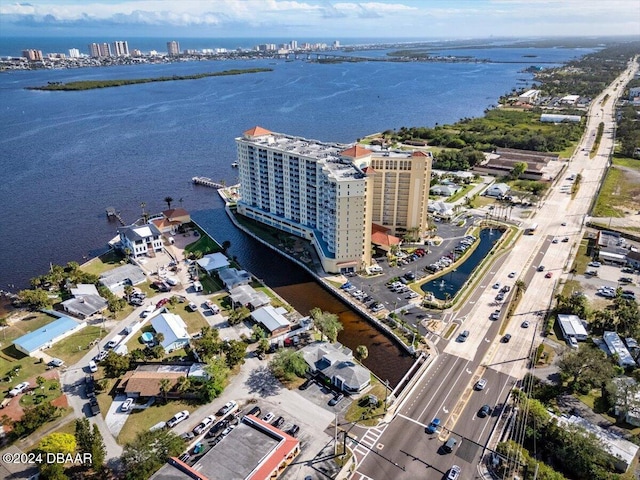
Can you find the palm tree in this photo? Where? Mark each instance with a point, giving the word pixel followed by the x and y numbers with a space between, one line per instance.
pixel 362 352
pixel 128 290
pixel 184 384
pixel 168 200
pixel 165 386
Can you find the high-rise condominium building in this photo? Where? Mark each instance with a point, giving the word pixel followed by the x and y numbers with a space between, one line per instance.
pixel 173 48
pixel 100 50
pixel 121 48
pixel 74 53
pixel 32 55
pixel 310 189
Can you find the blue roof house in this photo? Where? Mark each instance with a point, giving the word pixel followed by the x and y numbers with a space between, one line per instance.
pixel 46 336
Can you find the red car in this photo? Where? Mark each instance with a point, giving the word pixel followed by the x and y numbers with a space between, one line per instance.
pixel 162 302
pixel 548 275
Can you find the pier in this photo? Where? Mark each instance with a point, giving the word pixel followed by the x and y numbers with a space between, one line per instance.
pixel 112 213
pixel 207 182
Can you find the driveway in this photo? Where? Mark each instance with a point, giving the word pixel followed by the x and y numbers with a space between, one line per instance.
pixel 116 418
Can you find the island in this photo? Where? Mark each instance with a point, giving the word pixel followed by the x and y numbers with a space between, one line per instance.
pixel 92 84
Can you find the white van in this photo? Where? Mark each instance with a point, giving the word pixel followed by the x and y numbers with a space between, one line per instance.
pixel 173 281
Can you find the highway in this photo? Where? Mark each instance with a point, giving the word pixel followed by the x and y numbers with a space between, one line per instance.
pixel 401 449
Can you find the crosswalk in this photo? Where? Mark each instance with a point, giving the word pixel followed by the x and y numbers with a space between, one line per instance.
pixel 368 442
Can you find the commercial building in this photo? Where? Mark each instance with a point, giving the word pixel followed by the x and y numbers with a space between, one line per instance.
pixel 331 195
pixel 173 48
pixel 254 450
pixel 530 96
pixel 310 189
pixel 572 326
pixel 335 363
pixel 48 335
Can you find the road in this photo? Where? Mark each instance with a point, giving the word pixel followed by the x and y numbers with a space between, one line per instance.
pixel 401 448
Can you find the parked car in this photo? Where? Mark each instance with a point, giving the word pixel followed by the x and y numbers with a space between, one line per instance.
pixel 496 285
pixel 278 422
pixel 293 430
pixel 268 417
pixel 187 437
pixel 89 386
pixel 94 406
pixel 177 418
pixel 495 315
pixel 541 268
pixel 433 426
pixel 192 306
pixel 336 399
pixel 110 344
pixel 595 264
pixel 126 405
pixel 218 427
pixel 227 407
pixel 548 275
pixel 101 356
pixel 55 362
pixel 198 448
pixel 18 389
pixel 511 275
pixel 202 426
pixel 162 303
pixel 454 473
pixel 93 368
pixel 525 324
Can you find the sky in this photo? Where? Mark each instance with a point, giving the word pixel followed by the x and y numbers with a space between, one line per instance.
pixel 450 19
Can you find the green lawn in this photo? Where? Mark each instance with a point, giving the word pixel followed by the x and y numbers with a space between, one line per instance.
pixel 460 193
pixel 371 416
pixel 581 259
pixel 619 191
pixel 49 391
pixel 103 263
pixel 74 347
pixel 194 320
pixel 141 420
pixel 204 244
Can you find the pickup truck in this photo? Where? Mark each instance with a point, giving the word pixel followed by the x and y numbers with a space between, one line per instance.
pixel 95 408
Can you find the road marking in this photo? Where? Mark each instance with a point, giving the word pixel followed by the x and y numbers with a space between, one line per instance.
pixel 412 420
pixel 445 410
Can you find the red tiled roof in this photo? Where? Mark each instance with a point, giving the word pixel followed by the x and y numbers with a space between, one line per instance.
pixel 419 153
pixel 282 451
pixel 356 152
pixel 175 212
pixel 256 132
pixel 380 236
pixel 368 170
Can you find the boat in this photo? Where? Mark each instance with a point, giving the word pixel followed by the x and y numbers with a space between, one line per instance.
pixel 234 164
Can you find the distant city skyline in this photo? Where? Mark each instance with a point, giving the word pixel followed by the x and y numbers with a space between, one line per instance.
pixel 320 18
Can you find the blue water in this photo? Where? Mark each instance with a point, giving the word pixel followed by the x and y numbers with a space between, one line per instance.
pixel 448 285
pixel 66 156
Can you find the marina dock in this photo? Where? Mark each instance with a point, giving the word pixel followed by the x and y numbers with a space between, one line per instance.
pixel 207 182
pixel 112 213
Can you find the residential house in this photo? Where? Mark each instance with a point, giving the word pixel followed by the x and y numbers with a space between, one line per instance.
pixel 86 301
pixel 213 262
pixel 335 363
pixel 247 296
pixel 497 190
pixel 444 190
pixel 272 320
pixel 572 326
pixel 171 220
pixel 145 380
pixel 616 347
pixel 173 329
pixel 141 240
pixel 116 279
pixel 232 277
pixel 47 335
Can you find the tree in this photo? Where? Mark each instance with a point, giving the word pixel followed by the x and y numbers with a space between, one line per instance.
pixel 168 200
pixel 33 418
pixel 83 435
pixel 327 323
pixel 263 346
pixel 165 387
pixel 587 367
pixel 235 351
pixel 362 352
pixel 98 449
pixel 115 365
pixel 40 380
pixel 258 332
pixel 128 290
pixel 35 299
pixel 184 384
pixel 518 169
pixel 160 337
pixel 148 452
pixel 58 443
pixel 218 371
pixel 287 364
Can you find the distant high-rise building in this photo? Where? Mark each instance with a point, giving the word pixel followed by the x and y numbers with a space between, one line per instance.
pixel 32 55
pixel 100 50
pixel 74 53
pixel 173 48
pixel 294 45
pixel 121 48
pixel 336 44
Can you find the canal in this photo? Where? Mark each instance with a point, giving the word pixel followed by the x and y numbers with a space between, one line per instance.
pixel 386 359
pixel 448 285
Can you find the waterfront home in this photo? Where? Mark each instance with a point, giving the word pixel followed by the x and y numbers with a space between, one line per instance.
pixel 335 363
pixel 232 277
pixel 173 329
pixel 171 220
pixel 86 301
pixel 272 320
pixel 141 240
pixel 213 262
pixel 247 296
pixel 116 279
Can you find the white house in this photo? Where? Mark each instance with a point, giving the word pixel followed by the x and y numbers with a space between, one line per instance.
pixel 173 329
pixel 497 190
pixel 444 190
pixel 86 301
pixel 530 96
pixel 213 262
pixel 615 345
pixel 48 335
pixel 116 279
pixel 141 240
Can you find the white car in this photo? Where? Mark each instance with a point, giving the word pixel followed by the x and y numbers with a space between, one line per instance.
pixel 202 426
pixel 512 274
pixel 93 368
pixel 496 285
pixel 268 417
pixel 18 389
pixel 454 473
pixel 480 384
pixel 177 418
pixel 229 406
pixel 101 356
pixel 126 405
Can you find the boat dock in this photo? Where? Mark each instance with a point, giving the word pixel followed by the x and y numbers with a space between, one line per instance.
pixel 207 182
pixel 111 213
